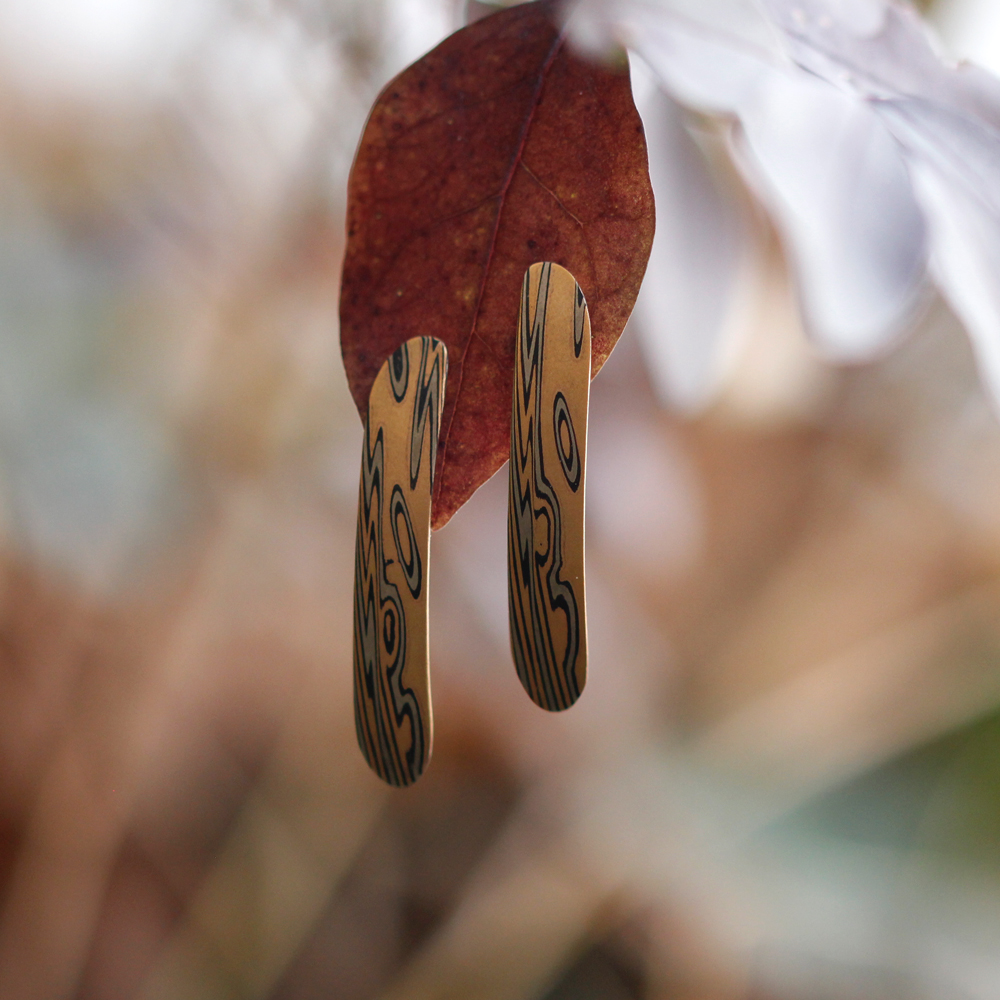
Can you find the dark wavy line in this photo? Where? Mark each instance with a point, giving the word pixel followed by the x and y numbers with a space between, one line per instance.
pixel 536 579
pixel 385 708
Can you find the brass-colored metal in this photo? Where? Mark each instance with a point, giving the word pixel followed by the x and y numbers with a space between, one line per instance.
pixel 548 445
pixel 392 695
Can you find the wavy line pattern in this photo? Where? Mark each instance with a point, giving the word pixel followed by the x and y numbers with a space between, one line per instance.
pixel 548 441
pixel 392 702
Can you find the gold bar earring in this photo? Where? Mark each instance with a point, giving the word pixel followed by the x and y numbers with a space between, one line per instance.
pixel 548 444
pixel 392 695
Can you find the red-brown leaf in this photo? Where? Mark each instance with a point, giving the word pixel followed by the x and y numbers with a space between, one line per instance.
pixel 498 149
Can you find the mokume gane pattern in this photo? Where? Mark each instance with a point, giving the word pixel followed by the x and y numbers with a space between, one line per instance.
pixel 548 442
pixel 392 698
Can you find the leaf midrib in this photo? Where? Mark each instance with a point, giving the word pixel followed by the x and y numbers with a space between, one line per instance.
pixel 501 202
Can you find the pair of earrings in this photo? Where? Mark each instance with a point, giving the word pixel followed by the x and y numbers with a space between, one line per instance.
pixel 547 606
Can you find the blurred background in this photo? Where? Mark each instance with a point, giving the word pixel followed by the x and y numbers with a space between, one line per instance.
pixel 783 779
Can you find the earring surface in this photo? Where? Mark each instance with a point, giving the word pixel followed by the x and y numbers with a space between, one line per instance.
pixel 548 443
pixel 392 697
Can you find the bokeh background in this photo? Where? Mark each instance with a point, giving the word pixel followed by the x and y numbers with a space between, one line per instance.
pixel 783 779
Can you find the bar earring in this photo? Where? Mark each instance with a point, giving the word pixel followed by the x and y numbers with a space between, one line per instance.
pixel 392 695
pixel 548 444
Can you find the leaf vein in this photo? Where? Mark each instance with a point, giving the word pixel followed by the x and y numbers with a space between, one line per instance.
pixel 511 171
pixel 549 191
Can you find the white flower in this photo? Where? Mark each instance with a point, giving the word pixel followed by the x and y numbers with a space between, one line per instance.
pixel 878 162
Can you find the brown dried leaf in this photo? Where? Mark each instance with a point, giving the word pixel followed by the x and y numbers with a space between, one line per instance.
pixel 498 149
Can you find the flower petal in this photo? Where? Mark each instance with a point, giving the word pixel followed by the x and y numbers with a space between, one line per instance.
pixel 946 120
pixel 956 168
pixel 838 189
pixel 683 312
pixel 824 164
